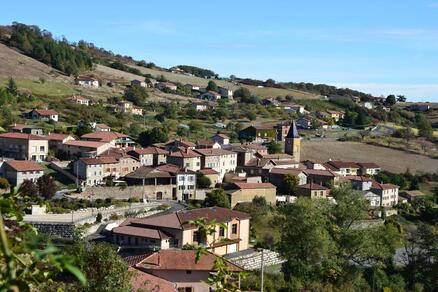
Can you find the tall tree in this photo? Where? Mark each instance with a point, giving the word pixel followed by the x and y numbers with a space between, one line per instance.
pixel 290 184
pixel 212 86
pixel 12 86
pixel 46 186
pixel 217 197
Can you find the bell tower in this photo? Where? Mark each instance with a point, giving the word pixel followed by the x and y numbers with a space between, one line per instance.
pixel 292 142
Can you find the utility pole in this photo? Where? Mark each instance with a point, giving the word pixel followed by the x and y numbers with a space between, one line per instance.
pixel 262 271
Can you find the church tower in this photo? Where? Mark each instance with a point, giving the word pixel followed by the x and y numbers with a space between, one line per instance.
pixel 292 142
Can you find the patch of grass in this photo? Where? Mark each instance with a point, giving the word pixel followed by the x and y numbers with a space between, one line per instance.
pixel 48 88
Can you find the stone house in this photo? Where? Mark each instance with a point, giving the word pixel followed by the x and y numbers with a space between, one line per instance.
pixel 313 191
pixel 343 168
pixel 79 99
pixel 187 158
pixel 88 82
pixel 26 129
pixel 246 192
pixel 221 160
pixel 115 139
pixel 17 171
pixel 388 193
pixel 368 168
pixel 80 148
pixel 46 115
pixel 149 156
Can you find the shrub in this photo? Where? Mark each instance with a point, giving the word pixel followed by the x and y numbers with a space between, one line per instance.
pixel 4 184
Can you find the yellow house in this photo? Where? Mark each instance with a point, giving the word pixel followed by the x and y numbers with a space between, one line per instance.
pixel 245 192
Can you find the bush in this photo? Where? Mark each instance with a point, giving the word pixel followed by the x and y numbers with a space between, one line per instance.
pixel 4 184
pixel 99 218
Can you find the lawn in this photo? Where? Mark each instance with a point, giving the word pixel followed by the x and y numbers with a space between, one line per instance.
pixel 48 88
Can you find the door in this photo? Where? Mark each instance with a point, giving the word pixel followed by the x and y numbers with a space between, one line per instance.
pixel 159 195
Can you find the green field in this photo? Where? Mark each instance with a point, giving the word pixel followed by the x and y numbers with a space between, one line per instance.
pixel 48 88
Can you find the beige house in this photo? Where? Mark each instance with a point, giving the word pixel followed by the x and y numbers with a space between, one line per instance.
pixel 150 155
pixel 114 138
pixel 369 168
pixel 185 158
pixel 175 270
pixel 173 231
pixel 212 174
pixel 166 85
pixel 46 115
pixel 17 171
pixel 246 192
pixel 313 191
pixel 221 160
pixel 127 107
pixel 84 148
pixel 88 82
pixel 79 99
pixel 102 128
pixel 56 140
pixel 24 146
pixel 388 193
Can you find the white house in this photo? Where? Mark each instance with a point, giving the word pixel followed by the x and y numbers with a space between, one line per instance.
pixel 79 99
pixel 17 171
pixel 88 82
pixel 226 93
pixel 221 139
pixel 43 115
pixel 210 95
pixel 137 82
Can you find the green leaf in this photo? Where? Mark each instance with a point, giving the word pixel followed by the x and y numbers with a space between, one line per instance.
pixel 76 272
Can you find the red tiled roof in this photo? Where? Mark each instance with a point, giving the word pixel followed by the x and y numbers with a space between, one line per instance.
pixel 17 126
pixel 24 165
pixel 142 281
pixel 47 112
pixel 207 171
pixel 294 171
pixel 318 172
pixel 57 136
pixel 175 259
pixel 177 220
pixel 338 164
pixel 150 150
pixel 140 232
pixel 188 153
pixel 22 136
pixel 103 126
pixel 379 186
pixel 104 136
pixel 358 178
pixel 87 144
pixel 214 152
pixel 250 186
pixel 182 142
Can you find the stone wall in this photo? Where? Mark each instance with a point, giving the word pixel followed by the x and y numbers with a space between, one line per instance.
pixel 252 261
pixel 64 230
pixel 151 192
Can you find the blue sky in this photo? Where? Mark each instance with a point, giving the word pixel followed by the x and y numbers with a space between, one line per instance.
pixel 380 47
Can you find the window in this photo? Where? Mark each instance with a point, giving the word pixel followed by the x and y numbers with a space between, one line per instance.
pixel 34 148
pixel 34 157
pixel 41 157
pixel 221 231
pixel 234 229
pixel 42 148
pixel 188 272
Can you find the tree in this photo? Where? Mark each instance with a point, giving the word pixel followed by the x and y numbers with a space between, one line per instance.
pixel 137 95
pixel 202 181
pixel 195 126
pixel 391 100
pixel 218 198
pixel 274 147
pixel 46 186
pixel 4 183
pixel 12 87
pixel 152 136
pixel 242 93
pixel 29 189
pixel 104 269
pixel 401 98
pixel 212 86
pixel 290 184
pixel 424 126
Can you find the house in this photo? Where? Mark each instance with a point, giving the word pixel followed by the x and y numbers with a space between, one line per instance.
pixel 172 230
pixel 24 146
pixel 26 129
pixel 221 139
pixel 201 107
pixel 17 171
pixel 335 115
pixel 373 199
pixel 176 270
pixel 212 174
pixel 88 82
pixel 207 144
pixel 368 105
pixel 245 192
pixel 102 128
pixel 310 164
pixel 56 140
pixel 258 133
pixel 225 92
pixel 139 83
pixel 368 168
pixel 360 183
pixel 388 193
pixel 185 181
pixel 127 107
pixel 176 144
pixel 291 107
pixel 79 99
pixel 149 156
pixel 313 191
pixel 304 123
pixel 326 178
pixel 177 70
pixel 193 87
pixel 419 107
pixel 411 196
pixel 342 168
pixel 221 160
pixel 186 158
pixel 166 85
pixel 115 139
pixel 276 176
pixel 42 115
pixel 210 95
pixel 80 148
